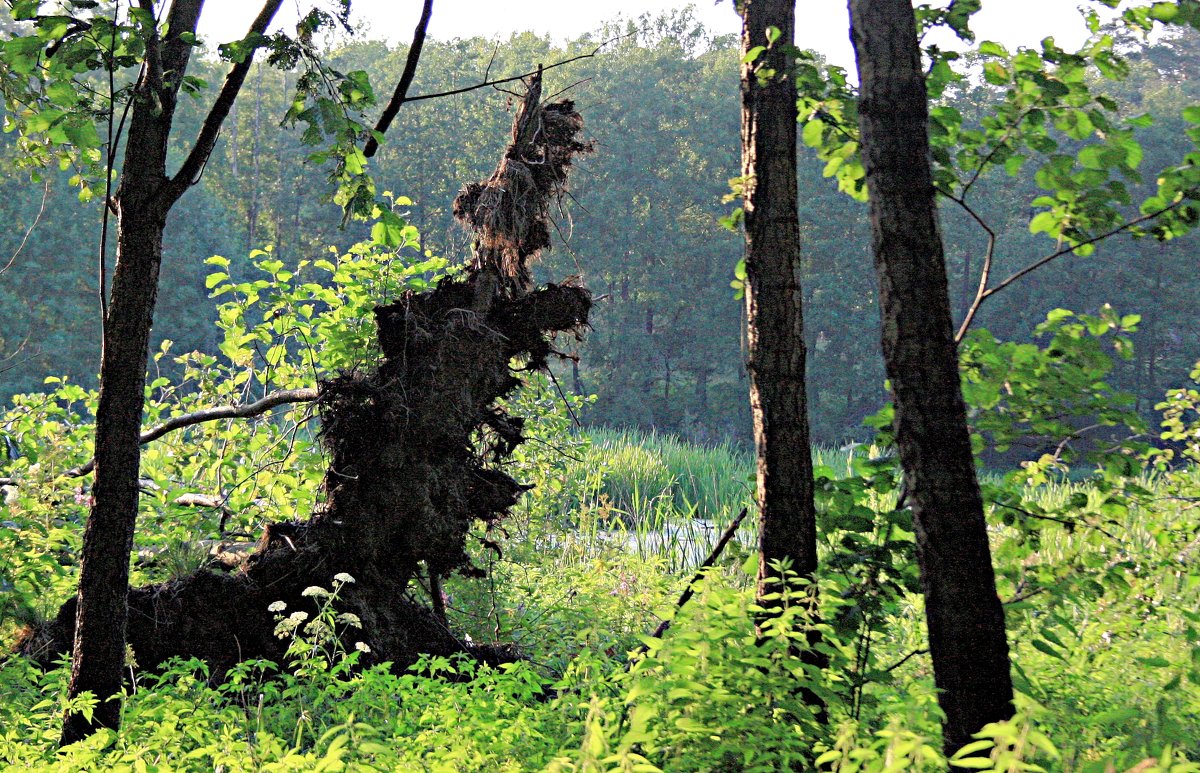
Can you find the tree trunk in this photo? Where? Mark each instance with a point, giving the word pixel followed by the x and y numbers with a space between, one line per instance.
pixel 966 621
pixel 787 518
pixel 143 200
pixel 99 648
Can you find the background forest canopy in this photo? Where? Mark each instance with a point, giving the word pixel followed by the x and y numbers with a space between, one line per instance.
pixel 665 352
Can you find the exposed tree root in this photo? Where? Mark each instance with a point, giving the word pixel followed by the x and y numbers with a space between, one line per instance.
pixel 416 445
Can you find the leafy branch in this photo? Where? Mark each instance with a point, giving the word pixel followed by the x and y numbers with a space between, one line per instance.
pixel 216 413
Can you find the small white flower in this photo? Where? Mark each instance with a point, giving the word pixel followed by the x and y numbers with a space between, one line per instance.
pixel 351 619
pixel 276 606
pixel 298 617
pixel 314 590
pixel 342 577
pixel 361 646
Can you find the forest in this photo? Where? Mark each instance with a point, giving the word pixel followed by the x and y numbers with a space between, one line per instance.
pixel 481 405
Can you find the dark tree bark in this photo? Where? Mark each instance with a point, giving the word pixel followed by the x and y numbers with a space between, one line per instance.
pixel 787 518
pixel 142 201
pixel 967 640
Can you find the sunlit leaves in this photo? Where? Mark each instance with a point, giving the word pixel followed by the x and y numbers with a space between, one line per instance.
pixel 1025 393
pixel 1043 108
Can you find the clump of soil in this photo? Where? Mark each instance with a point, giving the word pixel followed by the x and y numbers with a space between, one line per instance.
pixel 408 474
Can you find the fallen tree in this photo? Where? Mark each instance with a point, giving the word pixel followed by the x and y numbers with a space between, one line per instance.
pixel 416 444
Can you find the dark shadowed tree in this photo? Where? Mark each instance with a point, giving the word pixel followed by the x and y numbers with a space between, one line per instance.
pixel 966 621
pixel 775 320
pixel 142 201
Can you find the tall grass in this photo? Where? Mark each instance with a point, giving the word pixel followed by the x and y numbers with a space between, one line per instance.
pixel 668 498
pixel 647 474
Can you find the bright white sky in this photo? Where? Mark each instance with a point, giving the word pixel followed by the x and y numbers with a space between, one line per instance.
pixel 821 24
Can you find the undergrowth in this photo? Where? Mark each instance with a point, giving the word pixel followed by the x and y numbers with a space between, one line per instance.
pixel 1097 562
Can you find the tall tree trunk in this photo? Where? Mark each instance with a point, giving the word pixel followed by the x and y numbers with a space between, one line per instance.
pixel 142 200
pixel 787 518
pixel 966 621
pixel 99 649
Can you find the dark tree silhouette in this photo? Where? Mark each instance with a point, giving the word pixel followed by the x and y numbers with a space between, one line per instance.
pixel 967 641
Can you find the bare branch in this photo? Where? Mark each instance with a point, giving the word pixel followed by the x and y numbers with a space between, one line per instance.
pixel 984 292
pixel 905 659
pixel 985 273
pixel 485 83
pixel 211 129
pixel 36 219
pixel 273 400
pixel 690 590
pixel 1069 250
pixel 1067 522
pixel 406 79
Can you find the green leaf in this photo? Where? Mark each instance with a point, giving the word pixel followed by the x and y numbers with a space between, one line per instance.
pixel 1154 662
pixel 991 48
pixel 1164 12
pixel 389 230
pixel 1042 646
pixel 813 133
pixel 1044 222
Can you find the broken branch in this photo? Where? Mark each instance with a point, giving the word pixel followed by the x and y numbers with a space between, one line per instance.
pixel 690 590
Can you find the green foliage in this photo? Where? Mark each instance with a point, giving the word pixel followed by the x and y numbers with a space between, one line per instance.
pixel 1181 421
pixel 1094 543
pixel 280 328
pixel 1053 395
pixel 663 105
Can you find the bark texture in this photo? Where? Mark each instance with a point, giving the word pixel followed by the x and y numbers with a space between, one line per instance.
pixel 967 639
pixel 787 519
pixel 100 623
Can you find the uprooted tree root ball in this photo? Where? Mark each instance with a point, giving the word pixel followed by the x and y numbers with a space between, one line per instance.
pixel 409 473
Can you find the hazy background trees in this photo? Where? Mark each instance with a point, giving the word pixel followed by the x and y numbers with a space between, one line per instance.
pixel 666 350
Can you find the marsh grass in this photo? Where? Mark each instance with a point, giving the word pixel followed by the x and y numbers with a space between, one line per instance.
pixel 663 497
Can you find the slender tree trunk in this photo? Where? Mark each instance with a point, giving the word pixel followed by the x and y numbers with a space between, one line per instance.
pixel 966 621
pixel 776 353
pixel 99 649
pixel 143 200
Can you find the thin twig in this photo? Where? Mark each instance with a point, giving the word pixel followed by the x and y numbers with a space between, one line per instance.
pixel 905 659
pixel 690 590
pixel 1023 596
pixel 985 273
pixel 1070 524
pixel 984 294
pixel 530 74
pixel 28 231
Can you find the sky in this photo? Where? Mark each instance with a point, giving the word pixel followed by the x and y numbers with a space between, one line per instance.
pixel 820 25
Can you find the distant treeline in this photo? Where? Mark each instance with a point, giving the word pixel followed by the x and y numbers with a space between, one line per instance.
pixel 641 228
